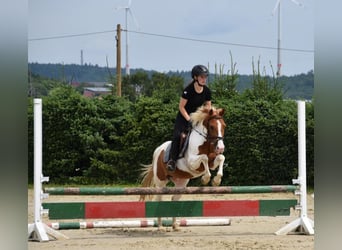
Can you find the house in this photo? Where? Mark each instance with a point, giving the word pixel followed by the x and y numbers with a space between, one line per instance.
pixel 96 91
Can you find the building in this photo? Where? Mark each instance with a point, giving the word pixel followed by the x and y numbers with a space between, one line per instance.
pixel 96 91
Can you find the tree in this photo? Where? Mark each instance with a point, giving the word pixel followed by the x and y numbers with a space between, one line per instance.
pixel 224 85
pixel 136 85
pixel 115 161
pixel 71 134
pixel 167 88
pixel 264 87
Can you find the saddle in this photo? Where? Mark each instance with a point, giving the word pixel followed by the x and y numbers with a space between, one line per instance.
pixel 184 143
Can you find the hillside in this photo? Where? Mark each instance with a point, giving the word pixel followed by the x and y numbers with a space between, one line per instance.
pixel 295 87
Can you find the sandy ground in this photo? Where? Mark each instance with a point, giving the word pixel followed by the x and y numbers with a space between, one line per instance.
pixel 243 233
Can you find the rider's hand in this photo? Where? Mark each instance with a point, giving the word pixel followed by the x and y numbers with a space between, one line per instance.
pixel 189 125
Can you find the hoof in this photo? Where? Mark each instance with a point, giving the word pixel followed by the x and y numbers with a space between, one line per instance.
pixel 216 181
pixel 176 227
pixel 161 229
pixel 205 180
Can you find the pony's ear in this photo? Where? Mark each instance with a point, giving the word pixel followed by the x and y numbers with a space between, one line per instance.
pixel 221 112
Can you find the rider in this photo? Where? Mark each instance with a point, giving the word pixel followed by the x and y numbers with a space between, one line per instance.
pixel 194 95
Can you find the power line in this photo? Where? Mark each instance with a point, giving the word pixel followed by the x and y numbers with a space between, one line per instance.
pixel 171 37
pixel 68 36
pixel 222 43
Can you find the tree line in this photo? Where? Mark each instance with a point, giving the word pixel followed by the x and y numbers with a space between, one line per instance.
pixel 105 140
pixel 295 87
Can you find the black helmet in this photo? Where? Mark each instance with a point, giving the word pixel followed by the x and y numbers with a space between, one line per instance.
pixel 198 70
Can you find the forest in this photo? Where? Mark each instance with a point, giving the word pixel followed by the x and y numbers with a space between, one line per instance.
pixel 105 140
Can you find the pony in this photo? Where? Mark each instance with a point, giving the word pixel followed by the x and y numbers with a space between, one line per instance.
pixel 204 153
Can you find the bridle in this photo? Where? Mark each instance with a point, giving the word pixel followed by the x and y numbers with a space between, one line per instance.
pixel 211 139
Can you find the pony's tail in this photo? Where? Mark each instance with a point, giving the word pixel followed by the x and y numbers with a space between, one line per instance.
pixel 147 181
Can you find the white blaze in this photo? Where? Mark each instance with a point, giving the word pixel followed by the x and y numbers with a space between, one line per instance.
pixel 220 144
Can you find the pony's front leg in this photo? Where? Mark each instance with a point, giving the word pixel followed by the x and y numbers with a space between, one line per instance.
pixel 195 163
pixel 206 176
pixel 219 160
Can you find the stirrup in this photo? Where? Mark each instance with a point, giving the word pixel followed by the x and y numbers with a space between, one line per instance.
pixel 171 165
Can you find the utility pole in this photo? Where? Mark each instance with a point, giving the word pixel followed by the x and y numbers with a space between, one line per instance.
pixel 118 60
pixel 81 57
pixel 30 85
pixel 279 39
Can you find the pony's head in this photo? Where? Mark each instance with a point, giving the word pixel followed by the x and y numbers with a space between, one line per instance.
pixel 212 121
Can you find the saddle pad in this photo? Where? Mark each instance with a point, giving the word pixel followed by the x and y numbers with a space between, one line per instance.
pixel 184 147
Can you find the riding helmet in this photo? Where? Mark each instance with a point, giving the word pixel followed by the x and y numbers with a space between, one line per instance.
pixel 198 70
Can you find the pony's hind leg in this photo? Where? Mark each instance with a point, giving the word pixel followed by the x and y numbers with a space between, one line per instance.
pixel 176 197
pixel 159 220
pixel 175 224
pixel 159 197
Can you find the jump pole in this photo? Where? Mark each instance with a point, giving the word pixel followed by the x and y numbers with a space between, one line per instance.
pixel 169 190
pixel 138 223
pixel 38 230
pixel 303 223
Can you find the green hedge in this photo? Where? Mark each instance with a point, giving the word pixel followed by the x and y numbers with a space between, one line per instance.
pixel 105 140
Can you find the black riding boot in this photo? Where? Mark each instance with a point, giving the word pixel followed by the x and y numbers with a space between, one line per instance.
pixel 174 152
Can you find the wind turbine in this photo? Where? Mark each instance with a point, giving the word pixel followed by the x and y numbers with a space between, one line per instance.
pixel 279 32
pixel 128 10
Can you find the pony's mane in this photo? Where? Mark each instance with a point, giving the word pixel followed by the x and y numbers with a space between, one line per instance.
pixel 200 114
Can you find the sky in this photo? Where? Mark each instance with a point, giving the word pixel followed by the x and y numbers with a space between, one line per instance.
pixel 174 35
